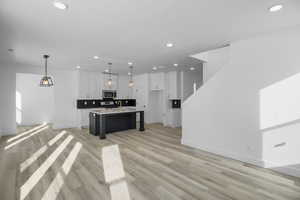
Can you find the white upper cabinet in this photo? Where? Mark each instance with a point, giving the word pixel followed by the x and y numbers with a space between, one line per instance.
pixel 173 85
pixel 89 85
pixel 157 81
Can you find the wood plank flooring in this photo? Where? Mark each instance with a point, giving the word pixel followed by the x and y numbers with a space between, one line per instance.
pixel 52 164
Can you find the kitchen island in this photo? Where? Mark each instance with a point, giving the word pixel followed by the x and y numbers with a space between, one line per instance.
pixel 108 120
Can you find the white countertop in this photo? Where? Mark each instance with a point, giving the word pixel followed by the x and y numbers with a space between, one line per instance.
pixel 106 111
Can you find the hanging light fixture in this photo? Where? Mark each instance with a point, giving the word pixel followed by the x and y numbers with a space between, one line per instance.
pixel 130 76
pixel 109 82
pixel 46 81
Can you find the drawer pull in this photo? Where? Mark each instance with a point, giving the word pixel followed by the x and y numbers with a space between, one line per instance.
pixel 280 145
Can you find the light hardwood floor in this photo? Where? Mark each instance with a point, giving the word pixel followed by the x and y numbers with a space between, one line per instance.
pixel 52 164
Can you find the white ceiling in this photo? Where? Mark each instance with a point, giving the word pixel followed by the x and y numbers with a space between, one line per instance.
pixel 131 30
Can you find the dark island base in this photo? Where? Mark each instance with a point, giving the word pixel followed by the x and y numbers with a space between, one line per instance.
pixel 100 125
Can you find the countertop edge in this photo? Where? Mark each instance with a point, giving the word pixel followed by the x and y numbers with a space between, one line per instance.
pixel 115 112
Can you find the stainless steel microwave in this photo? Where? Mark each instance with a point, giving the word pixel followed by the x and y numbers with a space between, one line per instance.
pixel 109 94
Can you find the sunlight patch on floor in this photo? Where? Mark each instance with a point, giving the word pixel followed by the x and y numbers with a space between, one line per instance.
pixel 25 138
pixel 114 173
pixel 40 152
pixel 112 163
pixel 25 133
pixel 119 191
pixel 40 172
pixel 56 185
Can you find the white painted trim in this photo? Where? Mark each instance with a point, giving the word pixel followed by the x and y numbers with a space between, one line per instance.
pixel 292 171
pixel 247 159
pixel 64 125
pixel 225 153
pixel 9 132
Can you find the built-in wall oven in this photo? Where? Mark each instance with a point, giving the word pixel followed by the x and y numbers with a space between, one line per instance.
pixel 109 94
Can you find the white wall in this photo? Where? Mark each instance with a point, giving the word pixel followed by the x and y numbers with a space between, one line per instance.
pixel 124 91
pixel 65 96
pixel 65 90
pixel 7 100
pixel 214 60
pixel 68 87
pixel 36 103
pixel 225 115
pixel 188 79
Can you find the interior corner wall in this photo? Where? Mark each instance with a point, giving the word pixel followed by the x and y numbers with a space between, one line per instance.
pixel 188 79
pixel 65 96
pixel 224 116
pixel 66 93
pixel 216 60
pixel 7 100
pixel 213 61
pixel 35 105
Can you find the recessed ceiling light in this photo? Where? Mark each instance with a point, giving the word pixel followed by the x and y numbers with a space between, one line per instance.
pixel 96 57
pixel 78 67
pixel 154 68
pixel 276 8
pixel 60 5
pixel 130 63
pixel 192 68
pixel 169 44
pixel 107 70
pixel 175 65
pixel 129 73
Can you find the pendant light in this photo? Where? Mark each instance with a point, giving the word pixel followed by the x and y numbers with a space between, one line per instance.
pixel 130 76
pixel 46 80
pixel 109 82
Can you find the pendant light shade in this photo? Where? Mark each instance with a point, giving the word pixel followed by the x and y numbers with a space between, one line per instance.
pixel 130 84
pixel 109 81
pixel 46 80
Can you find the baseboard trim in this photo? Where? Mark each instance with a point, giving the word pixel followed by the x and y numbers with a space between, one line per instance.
pixel 64 125
pixel 225 153
pixel 247 159
pixel 291 171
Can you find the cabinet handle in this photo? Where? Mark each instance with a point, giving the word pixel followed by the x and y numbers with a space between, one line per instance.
pixel 280 145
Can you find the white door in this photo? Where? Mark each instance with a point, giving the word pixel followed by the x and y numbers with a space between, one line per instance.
pixel 141 92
